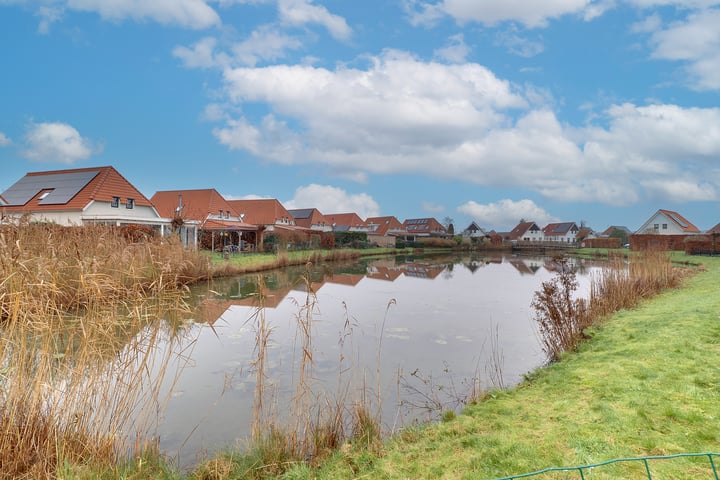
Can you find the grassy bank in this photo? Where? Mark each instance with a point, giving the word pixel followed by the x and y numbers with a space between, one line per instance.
pixel 646 383
pixel 234 264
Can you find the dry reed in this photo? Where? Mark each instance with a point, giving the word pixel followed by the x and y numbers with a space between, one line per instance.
pixel 81 331
pixel 563 318
pixel 316 422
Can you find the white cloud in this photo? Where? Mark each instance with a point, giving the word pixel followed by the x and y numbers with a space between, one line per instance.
pixel 302 12
pixel 460 122
pixel 48 15
pixel 506 214
pixel 264 44
pixel 432 207
pixel 328 199
pixel 518 45
pixel 531 13
pixel 695 41
pixel 200 55
pixel 456 51
pixel 4 140
pixel 195 14
pixel 649 24
pixel 680 190
pixel 56 142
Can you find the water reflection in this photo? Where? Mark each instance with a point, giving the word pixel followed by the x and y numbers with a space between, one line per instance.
pixel 434 328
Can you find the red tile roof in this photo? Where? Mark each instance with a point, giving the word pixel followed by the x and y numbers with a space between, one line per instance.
pixel 384 224
pixel 263 211
pixel 307 217
pixel 345 219
pixel 423 226
pixel 108 183
pixel 197 204
pixel 680 221
pixel 522 227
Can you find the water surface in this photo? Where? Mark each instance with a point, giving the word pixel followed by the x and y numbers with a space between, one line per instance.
pixel 433 327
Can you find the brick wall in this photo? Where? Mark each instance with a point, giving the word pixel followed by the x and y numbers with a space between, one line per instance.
pixel 662 242
pixel 601 243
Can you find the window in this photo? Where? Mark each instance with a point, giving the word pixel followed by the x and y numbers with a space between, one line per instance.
pixel 130 203
pixel 220 213
pixel 656 226
pixel 43 195
pixel 227 214
pixel 115 202
pixel 664 226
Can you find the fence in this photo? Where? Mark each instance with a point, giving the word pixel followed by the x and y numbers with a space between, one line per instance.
pixel 583 469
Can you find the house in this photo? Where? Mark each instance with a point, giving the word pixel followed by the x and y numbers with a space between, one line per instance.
pixel 585 233
pixel 269 215
pixel 349 222
pixel 311 218
pixel 715 230
pixel 474 231
pixel 82 196
pixel 526 232
pixel 565 232
pixel 267 212
pixel 383 231
pixel 667 222
pixel 221 227
pixel 424 227
pixel 617 231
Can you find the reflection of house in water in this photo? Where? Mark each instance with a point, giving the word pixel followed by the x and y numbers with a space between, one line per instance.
pixel 378 272
pixel 213 308
pixel 350 279
pixel 526 266
pixel 422 270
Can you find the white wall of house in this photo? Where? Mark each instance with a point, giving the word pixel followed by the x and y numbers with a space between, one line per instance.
pixel 66 218
pixel 533 236
pixel 660 224
pixel 138 214
pixel 568 237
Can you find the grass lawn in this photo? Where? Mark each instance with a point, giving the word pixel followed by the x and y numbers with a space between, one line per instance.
pixel 252 262
pixel 647 383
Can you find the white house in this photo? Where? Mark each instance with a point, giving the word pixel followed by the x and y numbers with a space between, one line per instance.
pixel 667 222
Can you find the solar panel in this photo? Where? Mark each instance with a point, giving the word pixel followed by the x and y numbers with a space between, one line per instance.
pixel 678 221
pixel 63 187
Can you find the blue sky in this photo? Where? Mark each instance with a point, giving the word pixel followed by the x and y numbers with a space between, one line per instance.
pixel 600 111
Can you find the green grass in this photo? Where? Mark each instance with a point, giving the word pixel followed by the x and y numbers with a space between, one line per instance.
pixel 647 383
pixel 253 262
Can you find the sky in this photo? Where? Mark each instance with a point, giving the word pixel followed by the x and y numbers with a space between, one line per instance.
pixel 592 111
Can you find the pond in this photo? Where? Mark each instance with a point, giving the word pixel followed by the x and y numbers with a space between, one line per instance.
pixel 411 336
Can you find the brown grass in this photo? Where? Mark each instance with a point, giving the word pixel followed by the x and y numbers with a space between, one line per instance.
pixel 83 313
pixel 563 319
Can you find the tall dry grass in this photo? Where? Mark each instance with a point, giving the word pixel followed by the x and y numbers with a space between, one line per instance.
pixel 563 318
pixel 87 336
pixel 316 421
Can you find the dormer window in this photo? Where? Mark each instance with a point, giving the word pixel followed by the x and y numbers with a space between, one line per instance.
pixel 130 203
pixel 220 213
pixel 115 202
pixel 227 214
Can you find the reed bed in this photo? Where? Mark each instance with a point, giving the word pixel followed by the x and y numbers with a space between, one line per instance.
pixel 563 319
pixel 316 422
pixel 89 329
